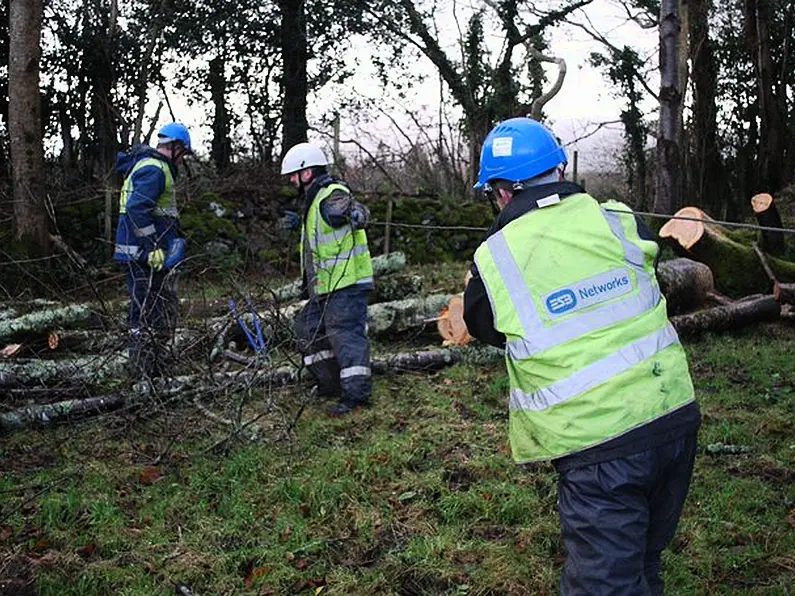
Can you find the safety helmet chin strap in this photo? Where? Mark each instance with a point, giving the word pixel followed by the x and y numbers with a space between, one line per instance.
pixel 490 191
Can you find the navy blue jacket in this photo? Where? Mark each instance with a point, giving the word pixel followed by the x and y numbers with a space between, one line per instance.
pixel 148 183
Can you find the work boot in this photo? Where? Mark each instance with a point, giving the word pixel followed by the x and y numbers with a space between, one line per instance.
pixel 346 407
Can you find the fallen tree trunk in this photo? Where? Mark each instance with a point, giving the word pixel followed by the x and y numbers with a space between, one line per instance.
pixel 754 309
pixel 396 286
pixel 686 284
pixel 92 370
pixel 36 323
pixel 736 268
pixel 180 387
pixel 764 207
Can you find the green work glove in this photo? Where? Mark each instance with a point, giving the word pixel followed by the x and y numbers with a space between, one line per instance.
pixel 156 259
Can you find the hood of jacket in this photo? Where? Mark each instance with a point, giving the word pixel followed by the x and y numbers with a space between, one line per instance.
pixel 127 159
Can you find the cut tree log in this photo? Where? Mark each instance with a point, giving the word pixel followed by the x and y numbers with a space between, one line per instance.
pixel 193 385
pixel 92 370
pixel 752 309
pixel 764 207
pixel 686 284
pixel 451 323
pixel 396 286
pixel 35 323
pixel 736 268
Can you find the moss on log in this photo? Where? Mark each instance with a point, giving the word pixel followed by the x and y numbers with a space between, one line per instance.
pixel 74 315
pixel 737 270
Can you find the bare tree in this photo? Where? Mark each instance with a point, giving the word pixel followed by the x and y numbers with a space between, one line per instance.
pixel 24 123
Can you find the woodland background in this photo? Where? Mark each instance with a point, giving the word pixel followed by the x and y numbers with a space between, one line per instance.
pixel 82 77
pixel 227 477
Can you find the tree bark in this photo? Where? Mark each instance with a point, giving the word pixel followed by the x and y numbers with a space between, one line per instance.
pixel 43 321
pixel 25 125
pixel 295 84
pixel 764 207
pixel 686 284
pixel 732 316
pixel 771 120
pixel 670 124
pixel 707 177
pixel 382 265
pixel 221 145
pixel 737 269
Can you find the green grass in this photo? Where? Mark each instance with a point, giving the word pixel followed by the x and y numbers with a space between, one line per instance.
pixel 417 495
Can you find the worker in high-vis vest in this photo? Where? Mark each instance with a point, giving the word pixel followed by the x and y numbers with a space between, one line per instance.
pixel 149 247
pixel 599 383
pixel 337 277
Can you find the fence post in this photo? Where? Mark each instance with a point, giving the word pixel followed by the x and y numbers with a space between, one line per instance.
pixel 388 226
pixel 575 166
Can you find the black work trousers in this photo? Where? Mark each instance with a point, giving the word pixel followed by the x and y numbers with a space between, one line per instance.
pixel 332 336
pixel 617 517
pixel 151 319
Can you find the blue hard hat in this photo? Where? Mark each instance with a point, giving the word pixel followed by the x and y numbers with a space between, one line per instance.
pixel 174 131
pixel 518 149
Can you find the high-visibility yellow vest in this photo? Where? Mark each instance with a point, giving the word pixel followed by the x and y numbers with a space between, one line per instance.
pixel 340 256
pixel 590 352
pixel 166 205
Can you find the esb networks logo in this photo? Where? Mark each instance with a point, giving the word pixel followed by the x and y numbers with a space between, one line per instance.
pixel 561 301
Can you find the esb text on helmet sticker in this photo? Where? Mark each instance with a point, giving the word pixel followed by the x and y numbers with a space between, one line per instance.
pixel 502 147
pixel 588 292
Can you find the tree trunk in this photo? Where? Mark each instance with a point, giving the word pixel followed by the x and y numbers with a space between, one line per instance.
pixel 294 79
pixel 764 207
pixel 670 125
pixel 686 284
pixel 731 316
pixel 36 323
pixel 221 145
pixel 708 182
pixel 772 127
pixel 736 267
pixel 25 126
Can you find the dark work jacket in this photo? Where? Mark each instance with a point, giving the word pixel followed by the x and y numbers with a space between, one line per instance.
pixel 479 320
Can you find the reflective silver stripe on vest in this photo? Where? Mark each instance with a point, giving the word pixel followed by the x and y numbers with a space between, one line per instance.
pixel 128 249
pixel 595 374
pixel 166 211
pixel 334 237
pixel 363 281
pixel 538 337
pixel 355 371
pixel 354 252
pixel 318 357
pixel 145 231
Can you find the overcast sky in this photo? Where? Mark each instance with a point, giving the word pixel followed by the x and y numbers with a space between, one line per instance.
pixel 584 101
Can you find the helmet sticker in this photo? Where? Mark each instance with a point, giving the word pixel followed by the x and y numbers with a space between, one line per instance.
pixel 502 147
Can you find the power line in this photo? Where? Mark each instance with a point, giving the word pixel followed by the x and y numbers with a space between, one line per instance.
pixel 392 224
pixel 730 224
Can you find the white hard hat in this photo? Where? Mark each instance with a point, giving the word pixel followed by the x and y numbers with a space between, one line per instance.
pixel 302 156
